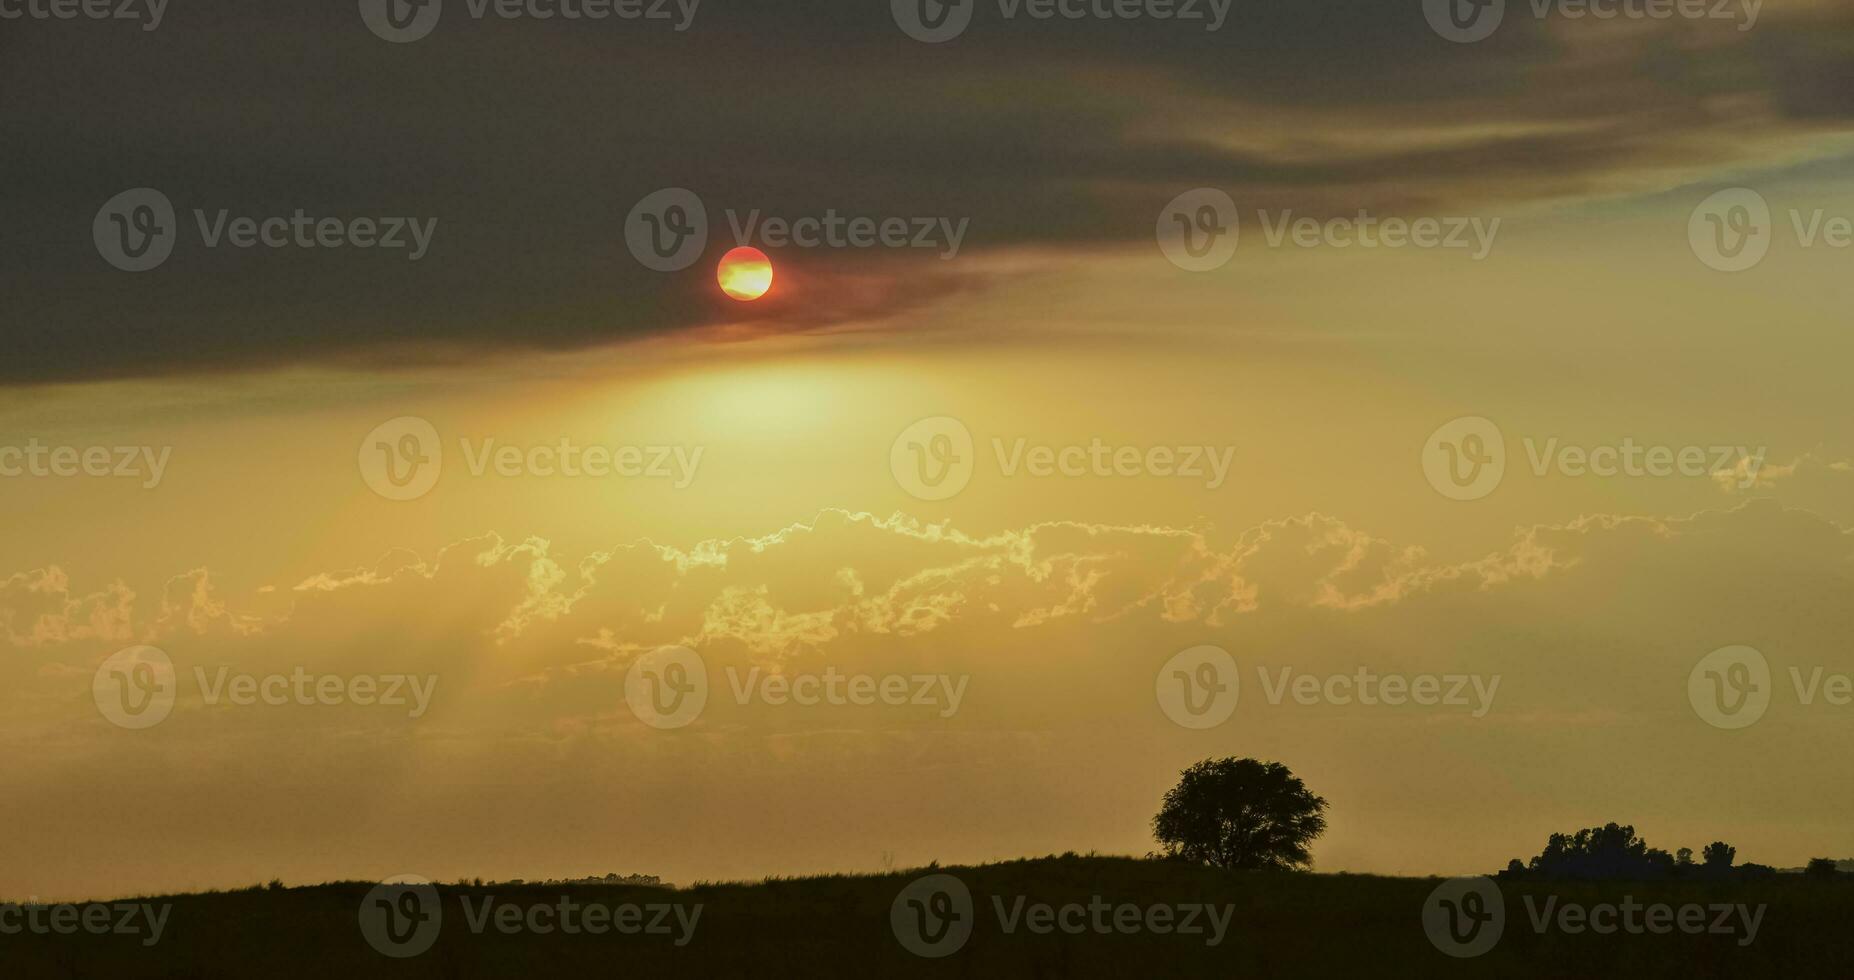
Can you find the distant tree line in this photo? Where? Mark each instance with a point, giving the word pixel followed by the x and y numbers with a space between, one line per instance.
pixel 1246 814
pixel 1613 851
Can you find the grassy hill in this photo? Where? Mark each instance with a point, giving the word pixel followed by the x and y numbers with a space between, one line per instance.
pixel 1276 925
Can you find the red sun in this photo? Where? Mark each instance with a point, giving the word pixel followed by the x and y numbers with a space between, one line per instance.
pixel 745 273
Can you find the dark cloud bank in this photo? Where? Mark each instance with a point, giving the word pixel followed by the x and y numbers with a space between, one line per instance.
pixel 529 141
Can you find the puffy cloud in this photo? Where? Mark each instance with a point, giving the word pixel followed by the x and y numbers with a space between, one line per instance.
pixel 37 608
pixel 845 586
pixel 1748 476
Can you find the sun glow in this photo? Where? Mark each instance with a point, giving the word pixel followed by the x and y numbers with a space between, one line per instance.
pixel 745 273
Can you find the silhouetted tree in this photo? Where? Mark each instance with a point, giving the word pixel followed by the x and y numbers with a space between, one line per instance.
pixel 1240 814
pixel 1719 854
pixel 1609 851
pixel 1683 857
pixel 1821 868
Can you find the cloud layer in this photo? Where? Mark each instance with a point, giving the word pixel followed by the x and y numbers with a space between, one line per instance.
pixel 1053 634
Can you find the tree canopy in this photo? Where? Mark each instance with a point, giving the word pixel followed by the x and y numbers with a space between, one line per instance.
pixel 1240 814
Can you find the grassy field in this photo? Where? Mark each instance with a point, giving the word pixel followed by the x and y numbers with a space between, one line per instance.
pixel 1275 925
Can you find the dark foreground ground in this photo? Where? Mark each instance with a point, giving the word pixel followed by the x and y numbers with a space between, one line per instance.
pixel 1278 925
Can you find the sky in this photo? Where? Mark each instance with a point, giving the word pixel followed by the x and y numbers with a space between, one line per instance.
pixel 1509 368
